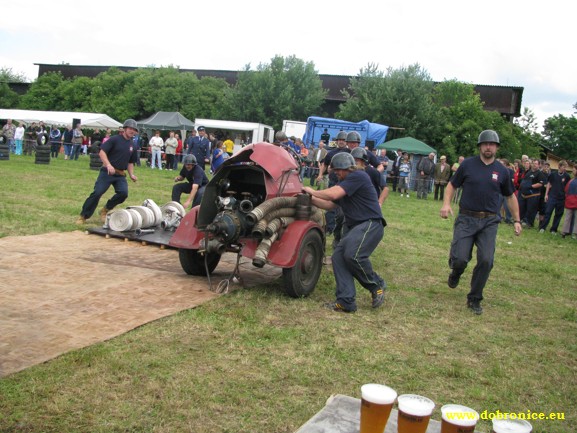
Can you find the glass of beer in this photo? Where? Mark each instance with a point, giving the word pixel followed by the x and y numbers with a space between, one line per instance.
pixel 376 404
pixel 507 425
pixel 414 413
pixel 458 419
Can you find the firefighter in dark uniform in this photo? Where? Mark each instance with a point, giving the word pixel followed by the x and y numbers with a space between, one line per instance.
pixel 195 185
pixel 118 156
pixel 365 224
pixel 332 215
pixel 484 182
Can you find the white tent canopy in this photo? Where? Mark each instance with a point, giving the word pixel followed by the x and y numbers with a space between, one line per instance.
pixel 61 118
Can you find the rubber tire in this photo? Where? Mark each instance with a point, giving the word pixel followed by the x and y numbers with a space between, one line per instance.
pixel 300 280
pixel 40 142
pixel 192 262
pixel 4 152
pixel 95 161
pixel 95 147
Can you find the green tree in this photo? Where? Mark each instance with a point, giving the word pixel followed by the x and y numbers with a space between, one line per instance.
pixel 9 97
pixel 560 135
pixel 9 76
pixel 399 98
pixel 287 88
pixel 45 94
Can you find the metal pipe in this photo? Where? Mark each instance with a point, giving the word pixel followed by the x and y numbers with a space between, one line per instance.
pixel 139 232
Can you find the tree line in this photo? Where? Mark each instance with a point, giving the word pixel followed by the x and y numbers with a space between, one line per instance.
pixel 448 115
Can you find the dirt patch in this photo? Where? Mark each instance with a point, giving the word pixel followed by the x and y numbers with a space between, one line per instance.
pixel 64 291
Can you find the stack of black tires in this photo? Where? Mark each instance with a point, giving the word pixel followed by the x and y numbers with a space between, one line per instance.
pixel 95 161
pixel 42 149
pixel 4 149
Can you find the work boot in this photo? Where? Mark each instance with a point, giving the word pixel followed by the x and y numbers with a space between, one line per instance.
pixel 103 213
pixel 81 220
pixel 475 306
pixel 378 297
pixel 335 306
pixel 453 280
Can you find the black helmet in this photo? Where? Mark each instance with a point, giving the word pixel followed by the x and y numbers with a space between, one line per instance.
pixel 488 136
pixel 342 135
pixel 359 153
pixel 189 159
pixel 353 136
pixel 130 123
pixel 342 161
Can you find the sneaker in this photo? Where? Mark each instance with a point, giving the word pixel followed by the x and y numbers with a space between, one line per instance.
pixel 475 306
pixel 335 306
pixel 574 237
pixel 453 280
pixel 378 297
pixel 407 195
pixel 553 233
pixel 542 231
pixel 103 213
pixel 81 220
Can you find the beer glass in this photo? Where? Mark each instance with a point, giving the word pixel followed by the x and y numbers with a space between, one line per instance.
pixel 376 404
pixel 458 419
pixel 508 425
pixel 414 413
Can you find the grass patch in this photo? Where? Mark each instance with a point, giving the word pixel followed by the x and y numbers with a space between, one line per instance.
pixel 255 360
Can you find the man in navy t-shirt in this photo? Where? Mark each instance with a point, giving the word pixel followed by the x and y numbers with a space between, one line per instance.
pixel 363 230
pixel 118 156
pixel 483 181
pixel 555 197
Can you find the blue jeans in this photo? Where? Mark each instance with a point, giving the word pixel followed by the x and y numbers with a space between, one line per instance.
pixel 103 182
pixel 351 262
pixel 75 151
pixel 469 231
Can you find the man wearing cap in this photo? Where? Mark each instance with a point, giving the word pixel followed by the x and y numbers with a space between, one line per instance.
pixel 199 146
pixel 484 181
pixel 118 156
pixel 441 177
pixel 197 180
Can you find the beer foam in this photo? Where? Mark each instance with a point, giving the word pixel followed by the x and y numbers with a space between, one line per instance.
pixel 416 405
pixel 376 393
pixel 459 415
pixel 511 426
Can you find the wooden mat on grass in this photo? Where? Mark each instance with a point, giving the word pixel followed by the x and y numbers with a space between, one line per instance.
pixel 64 291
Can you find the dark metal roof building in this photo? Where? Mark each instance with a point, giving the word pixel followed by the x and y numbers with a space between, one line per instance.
pixel 504 99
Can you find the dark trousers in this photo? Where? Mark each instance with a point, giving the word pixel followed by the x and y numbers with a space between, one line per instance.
pixel 54 149
pixel 553 205
pixel 423 186
pixel 439 191
pixel 185 188
pixel 169 161
pixel 469 231
pixel 351 261
pixel 103 182
pixel 528 208
pixel 395 176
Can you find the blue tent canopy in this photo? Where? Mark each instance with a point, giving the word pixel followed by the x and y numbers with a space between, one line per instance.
pixel 368 131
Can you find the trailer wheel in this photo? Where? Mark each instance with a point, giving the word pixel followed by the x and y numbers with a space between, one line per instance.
pixel 301 280
pixel 192 262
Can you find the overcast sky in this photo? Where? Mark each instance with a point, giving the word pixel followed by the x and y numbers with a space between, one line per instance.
pixel 502 43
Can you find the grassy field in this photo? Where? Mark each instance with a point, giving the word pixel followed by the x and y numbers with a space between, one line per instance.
pixel 258 361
